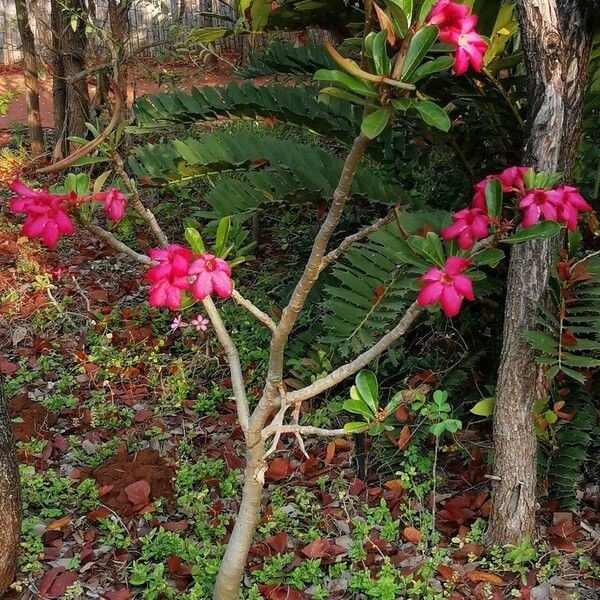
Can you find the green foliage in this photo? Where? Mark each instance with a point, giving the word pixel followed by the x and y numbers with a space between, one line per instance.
pixel 283 57
pixel 568 337
pixel 373 288
pixel 266 169
pixel 296 105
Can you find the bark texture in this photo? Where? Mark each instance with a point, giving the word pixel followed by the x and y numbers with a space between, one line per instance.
pixel 233 564
pixel 72 101
pixel 556 38
pixel 10 500
pixel 30 62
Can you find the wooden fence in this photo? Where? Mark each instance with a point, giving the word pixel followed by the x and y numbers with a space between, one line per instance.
pixel 150 22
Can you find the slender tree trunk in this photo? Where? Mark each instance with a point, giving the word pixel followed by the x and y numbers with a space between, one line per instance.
pixel 32 96
pixel 231 571
pixel 59 84
pixel 557 39
pixel 10 500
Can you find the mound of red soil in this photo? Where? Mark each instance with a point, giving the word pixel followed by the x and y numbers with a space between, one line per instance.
pixel 125 469
pixel 36 420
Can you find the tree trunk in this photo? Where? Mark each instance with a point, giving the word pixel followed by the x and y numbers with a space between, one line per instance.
pixel 233 564
pixel 71 99
pixel 59 85
pixel 30 62
pixel 556 38
pixel 10 500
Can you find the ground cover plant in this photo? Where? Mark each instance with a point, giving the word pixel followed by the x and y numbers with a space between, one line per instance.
pixel 171 367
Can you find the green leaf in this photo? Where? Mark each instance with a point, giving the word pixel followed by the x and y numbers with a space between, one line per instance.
pixel 393 404
pixel 358 407
pixel 487 14
pixel 425 247
pixel 374 123
pixel 426 9
pixel 89 160
pixel 377 429
pixel 529 179
pixel 493 198
pixel 359 86
pixel 402 103
pixel 355 427
pixel 574 375
pixel 336 92
pixel 419 46
pixel 441 63
pixel 73 22
pixel 542 342
pixel 433 115
pixel 223 229
pixel 204 35
pixel 485 407
pixel 437 429
pixel 194 239
pixel 366 384
pixel 489 257
pixel 381 59
pixel 543 230
pixel 100 181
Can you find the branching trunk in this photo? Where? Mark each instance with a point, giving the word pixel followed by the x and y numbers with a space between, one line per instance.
pixel 10 501
pixel 556 38
pixel 30 61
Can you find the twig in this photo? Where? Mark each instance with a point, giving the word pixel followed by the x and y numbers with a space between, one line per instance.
pixel 304 430
pixel 135 201
pixel 90 146
pixel 584 259
pixel 262 317
pixel 235 367
pixel 345 371
pixel 111 240
pixel 332 256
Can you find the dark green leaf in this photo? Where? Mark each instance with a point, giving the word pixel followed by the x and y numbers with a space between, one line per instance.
pixel 493 198
pixel 433 115
pixel 359 86
pixel 374 123
pixel 543 230
pixel 441 63
pixel 419 46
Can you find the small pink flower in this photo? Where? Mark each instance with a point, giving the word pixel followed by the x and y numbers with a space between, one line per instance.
pixel 213 275
pixel 169 277
pixel 115 202
pixel 448 287
pixel 199 323
pixel 469 224
pixel 176 323
pixel 46 214
pixel 536 204
pixel 568 202
pixel 470 46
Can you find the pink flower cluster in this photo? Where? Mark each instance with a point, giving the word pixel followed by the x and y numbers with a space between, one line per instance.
pixel 457 27
pixel 172 276
pixel 561 204
pixel 449 286
pixel 47 214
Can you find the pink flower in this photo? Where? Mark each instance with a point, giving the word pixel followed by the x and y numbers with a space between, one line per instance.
pixel 469 224
pixel 512 179
pixel 568 202
pixel 199 323
pixel 447 16
pixel 479 195
pixel 46 214
pixel 169 277
pixel 114 203
pixel 470 46
pixel 447 287
pixel 213 275
pixel 176 323
pixel 538 203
